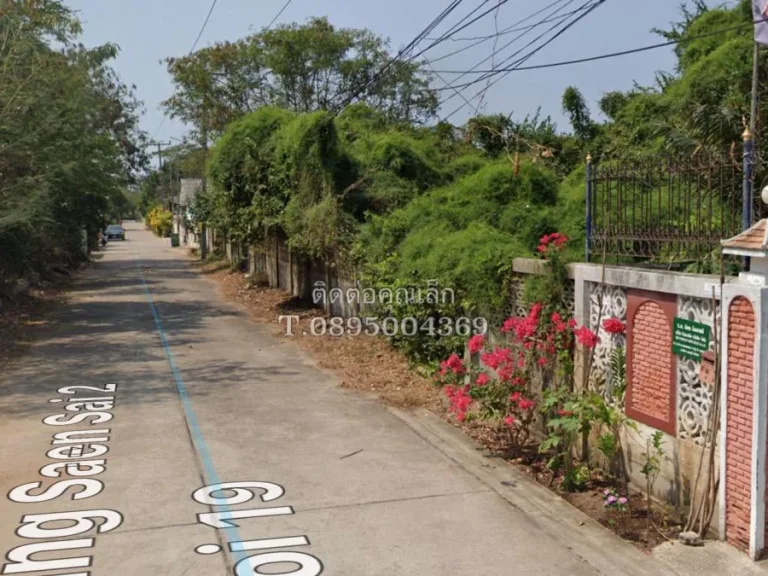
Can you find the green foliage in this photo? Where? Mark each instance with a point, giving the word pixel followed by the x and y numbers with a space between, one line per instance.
pixel 653 456
pixel 69 138
pixel 465 234
pixel 577 110
pixel 299 67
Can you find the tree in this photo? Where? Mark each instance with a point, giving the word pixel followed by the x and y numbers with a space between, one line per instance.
pixel 303 68
pixel 575 106
pixel 69 137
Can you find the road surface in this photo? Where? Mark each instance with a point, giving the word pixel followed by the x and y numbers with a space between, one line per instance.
pixel 146 391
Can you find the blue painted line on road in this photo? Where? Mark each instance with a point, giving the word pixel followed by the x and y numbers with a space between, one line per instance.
pixel 232 534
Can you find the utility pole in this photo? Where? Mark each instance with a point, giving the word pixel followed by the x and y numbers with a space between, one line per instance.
pixel 160 164
pixel 204 142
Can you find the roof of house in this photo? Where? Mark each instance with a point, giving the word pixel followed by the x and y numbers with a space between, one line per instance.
pixel 753 240
pixel 189 189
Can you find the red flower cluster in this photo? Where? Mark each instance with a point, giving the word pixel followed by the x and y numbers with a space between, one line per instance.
pixel 482 379
pixel 555 239
pixel 476 343
pixel 586 337
pixel 454 364
pixel 526 404
pixel 524 328
pixel 460 401
pixel 614 326
pixel 496 358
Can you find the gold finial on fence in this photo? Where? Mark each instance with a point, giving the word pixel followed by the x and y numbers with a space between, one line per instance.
pixel 589 158
pixel 747 134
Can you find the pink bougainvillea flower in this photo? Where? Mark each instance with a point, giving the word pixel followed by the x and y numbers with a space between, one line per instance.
pixel 572 323
pixel 555 240
pixel 496 358
pixel 491 359
pixel 526 404
pixel 542 361
pixel 460 401
pixel 509 420
pixel 506 372
pixel 483 379
pixel 476 343
pixel 561 327
pixel 515 397
pixel 614 326
pixel 556 319
pixel 565 413
pixel 586 337
pixel 455 364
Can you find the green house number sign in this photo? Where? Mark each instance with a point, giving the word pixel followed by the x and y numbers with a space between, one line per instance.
pixel 690 339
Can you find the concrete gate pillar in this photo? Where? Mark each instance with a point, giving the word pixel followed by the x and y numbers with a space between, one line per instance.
pixel 744 397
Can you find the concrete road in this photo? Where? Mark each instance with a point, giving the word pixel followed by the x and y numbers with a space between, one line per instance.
pixel 154 430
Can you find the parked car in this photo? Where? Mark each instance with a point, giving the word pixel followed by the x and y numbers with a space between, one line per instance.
pixel 115 232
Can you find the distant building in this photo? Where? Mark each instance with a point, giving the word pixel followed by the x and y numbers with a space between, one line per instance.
pixel 188 190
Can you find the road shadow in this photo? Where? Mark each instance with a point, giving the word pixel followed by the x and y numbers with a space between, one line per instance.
pixel 107 332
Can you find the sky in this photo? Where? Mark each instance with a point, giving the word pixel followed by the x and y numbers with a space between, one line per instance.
pixel 149 31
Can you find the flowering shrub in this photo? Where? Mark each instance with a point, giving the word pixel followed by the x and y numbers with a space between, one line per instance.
pixel 498 385
pixel 161 221
pixel 551 242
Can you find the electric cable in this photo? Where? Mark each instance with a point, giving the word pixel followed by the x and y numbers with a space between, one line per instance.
pixel 515 39
pixel 199 35
pixel 419 37
pixel 589 8
pixel 514 28
pixel 280 13
pixel 602 56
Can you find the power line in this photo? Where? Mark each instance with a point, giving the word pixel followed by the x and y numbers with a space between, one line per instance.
pixel 509 30
pixel 589 7
pixel 515 39
pixel 205 25
pixel 288 3
pixel 595 58
pixel 493 59
pixel 199 35
pixel 444 81
pixel 454 29
pixel 419 37
pixel 503 32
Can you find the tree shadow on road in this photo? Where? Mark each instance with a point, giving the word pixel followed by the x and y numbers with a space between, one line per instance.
pixel 107 333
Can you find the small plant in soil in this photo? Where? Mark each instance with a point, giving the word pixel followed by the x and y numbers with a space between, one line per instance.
pixel 618 509
pixel 654 453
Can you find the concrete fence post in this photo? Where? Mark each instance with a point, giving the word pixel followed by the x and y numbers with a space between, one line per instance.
pixel 743 417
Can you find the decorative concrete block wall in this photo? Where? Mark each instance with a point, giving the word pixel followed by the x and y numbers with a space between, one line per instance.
pixel 682 403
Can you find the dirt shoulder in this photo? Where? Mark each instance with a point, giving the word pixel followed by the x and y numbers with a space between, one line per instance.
pixel 22 314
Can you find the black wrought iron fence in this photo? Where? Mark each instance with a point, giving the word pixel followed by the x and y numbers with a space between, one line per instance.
pixel 664 209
